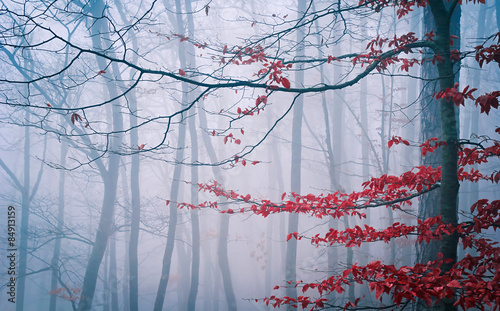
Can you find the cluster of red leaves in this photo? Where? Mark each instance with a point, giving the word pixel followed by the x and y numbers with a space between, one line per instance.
pixel 260 103
pixel 396 140
pixel 75 117
pixel 430 145
pixel 486 101
pixel 244 162
pixel 490 53
pixel 375 46
pixel 62 293
pixel 427 230
pixel 244 56
pixel 384 190
pixel 454 95
pixel 303 301
pixel 275 71
pixel 231 139
pixel 468 156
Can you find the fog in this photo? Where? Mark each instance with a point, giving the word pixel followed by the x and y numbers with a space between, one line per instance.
pixel 116 116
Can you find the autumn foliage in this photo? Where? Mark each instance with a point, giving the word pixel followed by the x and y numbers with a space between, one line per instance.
pixel 475 280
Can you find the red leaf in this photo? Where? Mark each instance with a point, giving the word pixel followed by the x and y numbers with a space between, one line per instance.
pixel 255 162
pixel 288 237
pixel 167 202
pixel 454 283
pixel 48 105
pixel 141 147
pixel 101 72
pixel 261 99
pixel 237 141
pixel 276 287
pixel 495 178
pixel 181 72
pixel 285 83
pixel 242 132
pixel 243 162
pixel 213 133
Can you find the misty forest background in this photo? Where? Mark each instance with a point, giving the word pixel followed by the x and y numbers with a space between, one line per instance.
pixel 87 135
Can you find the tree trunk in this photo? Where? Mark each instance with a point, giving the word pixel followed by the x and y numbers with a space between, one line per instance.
pixel 110 176
pixel 295 178
pixel 54 263
pixel 172 223
pixel 25 212
pixel 223 259
pixel 195 222
pixel 449 181
pixel 113 281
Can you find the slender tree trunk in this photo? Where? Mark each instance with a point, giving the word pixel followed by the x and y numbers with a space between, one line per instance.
pixel 105 281
pixel 172 223
pixel 110 176
pixel 295 178
pixel 169 248
pixel 223 259
pixel 195 222
pixel 60 223
pixel 113 281
pixel 132 263
pixel 25 212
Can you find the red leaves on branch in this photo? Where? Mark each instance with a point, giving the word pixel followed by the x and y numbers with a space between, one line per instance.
pixel 75 117
pixel 252 110
pixel 469 156
pixel 141 147
pixel 430 145
pixel 182 72
pixel 230 138
pixel 396 140
pixel 454 95
pixel 430 36
pixel 488 101
pixel 261 99
pixel 294 234
pixel 490 53
pixel 100 72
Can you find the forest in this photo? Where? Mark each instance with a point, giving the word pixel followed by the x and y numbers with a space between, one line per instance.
pixel 249 155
